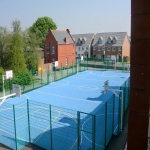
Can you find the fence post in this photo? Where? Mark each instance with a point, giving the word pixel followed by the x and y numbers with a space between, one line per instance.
pixel 113 113
pixel 41 75
pixel 105 124
pixel 93 132
pixel 122 64
pixel 33 77
pixel 23 82
pixel 78 127
pixel 67 69
pixel 72 67
pixel 28 120
pixel 15 126
pixel 50 110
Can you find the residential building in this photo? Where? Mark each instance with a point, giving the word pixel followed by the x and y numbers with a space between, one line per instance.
pixel 83 44
pixel 59 46
pixel 111 44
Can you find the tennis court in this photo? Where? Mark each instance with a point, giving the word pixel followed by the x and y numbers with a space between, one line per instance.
pixel 72 113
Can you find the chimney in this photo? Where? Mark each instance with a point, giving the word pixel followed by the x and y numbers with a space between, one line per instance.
pixel 68 31
pixel 67 40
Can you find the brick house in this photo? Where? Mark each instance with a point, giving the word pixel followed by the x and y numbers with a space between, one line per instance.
pixel 59 46
pixel 83 44
pixel 111 44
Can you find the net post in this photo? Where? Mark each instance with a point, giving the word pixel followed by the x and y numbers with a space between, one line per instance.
pixel 93 131
pixel 50 114
pixel 105 124
pixel 15 125
pixel 28 120
pixel 78 127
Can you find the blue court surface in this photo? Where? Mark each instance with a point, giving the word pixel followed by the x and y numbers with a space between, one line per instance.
pixel 77 91
pixel 80 92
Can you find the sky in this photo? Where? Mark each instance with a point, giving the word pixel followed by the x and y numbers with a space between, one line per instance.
pixel 80 16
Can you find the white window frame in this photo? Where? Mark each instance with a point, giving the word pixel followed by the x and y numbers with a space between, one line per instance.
pixel 53 59
pixel 99 48
pixel 79 48
pixel 83 48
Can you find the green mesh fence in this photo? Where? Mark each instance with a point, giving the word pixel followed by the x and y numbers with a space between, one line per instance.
pixel 33 79
pixel 7 128
pixel 104 64
pixel 51 127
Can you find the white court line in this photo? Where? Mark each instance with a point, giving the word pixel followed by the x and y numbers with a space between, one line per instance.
pixel 83 87
pixel 68 97
pixel 87 137
pixel 13 135
pixel 97 80
pixel 116 75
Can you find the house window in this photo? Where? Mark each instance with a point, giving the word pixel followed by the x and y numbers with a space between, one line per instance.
pixel 113 48
pixel 47 49
pixel 79 48
pixel 53 59
pixel 108 48
pixel 78 55
pixel 87 48
pixel 109 41
pixel 119 48
pixel 53 50
pixel 66 61
pixel 99 48
pixel 103 48
pixel 82 48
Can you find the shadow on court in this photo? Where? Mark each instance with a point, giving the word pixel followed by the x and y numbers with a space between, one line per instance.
pixel 3 147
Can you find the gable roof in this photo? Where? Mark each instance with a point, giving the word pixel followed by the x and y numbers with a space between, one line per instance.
pixel 60 36
pixel 86 37
pixel 120 36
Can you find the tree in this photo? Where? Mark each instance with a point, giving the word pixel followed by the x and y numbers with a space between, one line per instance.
pixel 41 27
pixel 15 56
pixel 31 51
pixel 4 43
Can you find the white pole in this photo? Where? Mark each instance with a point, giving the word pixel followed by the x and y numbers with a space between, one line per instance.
pixel 3 85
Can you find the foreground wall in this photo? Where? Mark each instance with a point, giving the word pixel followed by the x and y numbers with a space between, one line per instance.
pixel 140 75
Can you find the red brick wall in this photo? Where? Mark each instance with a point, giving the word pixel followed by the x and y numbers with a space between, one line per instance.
pixel 50 41
pixel 68 51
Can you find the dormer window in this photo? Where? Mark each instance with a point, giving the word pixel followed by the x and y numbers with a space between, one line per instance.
pixel 83 39
pixel 109 39
pixel 114 39
pixel 100 39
